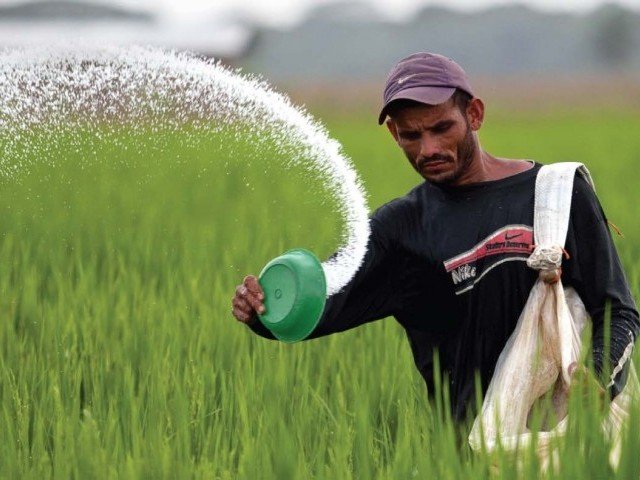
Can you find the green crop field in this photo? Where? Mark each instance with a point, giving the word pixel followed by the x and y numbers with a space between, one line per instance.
pixel 119 357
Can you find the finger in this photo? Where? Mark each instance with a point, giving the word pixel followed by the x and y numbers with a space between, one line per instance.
pixel 256 303
pixel 240 315
pixel 241 291
pixel 243 305
pixel 251 282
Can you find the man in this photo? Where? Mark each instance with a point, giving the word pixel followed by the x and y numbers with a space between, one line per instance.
pixel 448 260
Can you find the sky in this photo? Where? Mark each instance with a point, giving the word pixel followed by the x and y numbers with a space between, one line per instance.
pixel 285 12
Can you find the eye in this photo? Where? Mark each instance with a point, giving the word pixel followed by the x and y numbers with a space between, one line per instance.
pixel 442 128
pixel 409 135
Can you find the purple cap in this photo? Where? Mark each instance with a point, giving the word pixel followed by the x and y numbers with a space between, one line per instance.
pixel 423 77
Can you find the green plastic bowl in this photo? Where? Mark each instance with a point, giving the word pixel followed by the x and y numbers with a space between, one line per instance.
pixel 295 292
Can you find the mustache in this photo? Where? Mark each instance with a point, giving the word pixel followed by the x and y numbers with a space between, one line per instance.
pixel 434 158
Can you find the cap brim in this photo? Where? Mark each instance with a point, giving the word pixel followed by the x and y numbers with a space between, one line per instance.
pixel 426 95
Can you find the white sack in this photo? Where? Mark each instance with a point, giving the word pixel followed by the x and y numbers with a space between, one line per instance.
pixel 547 338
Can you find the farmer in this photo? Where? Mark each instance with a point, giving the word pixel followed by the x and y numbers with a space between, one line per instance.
pixel 448 259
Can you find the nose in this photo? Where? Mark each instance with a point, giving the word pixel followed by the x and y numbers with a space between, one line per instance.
pixel 428 146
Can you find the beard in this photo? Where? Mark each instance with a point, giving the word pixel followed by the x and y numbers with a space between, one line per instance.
pixel 465 151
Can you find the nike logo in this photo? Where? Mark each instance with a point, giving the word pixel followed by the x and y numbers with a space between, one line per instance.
pixel 404 79
pixel 510 237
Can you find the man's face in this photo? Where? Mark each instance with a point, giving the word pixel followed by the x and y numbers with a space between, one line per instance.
pixel 438 140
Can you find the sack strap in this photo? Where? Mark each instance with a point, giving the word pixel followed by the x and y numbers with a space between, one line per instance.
pixel 552 206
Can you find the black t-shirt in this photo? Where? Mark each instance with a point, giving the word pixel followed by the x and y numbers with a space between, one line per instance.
pixel 449 263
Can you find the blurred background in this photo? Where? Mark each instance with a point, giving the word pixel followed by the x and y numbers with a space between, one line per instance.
pixel 336 54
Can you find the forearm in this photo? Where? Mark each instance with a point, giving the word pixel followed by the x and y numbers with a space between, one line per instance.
pixel 258 328
pixel 613 346
pixel 370 295
pixel 370 299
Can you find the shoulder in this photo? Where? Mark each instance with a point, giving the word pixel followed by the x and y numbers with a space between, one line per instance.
pixel 399 218
pixel 584 200
pixel 401 209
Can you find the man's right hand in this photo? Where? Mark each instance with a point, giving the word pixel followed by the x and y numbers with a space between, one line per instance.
pixel 248 300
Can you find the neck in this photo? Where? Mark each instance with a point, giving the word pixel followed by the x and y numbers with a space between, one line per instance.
pixel 485 167
pixel 480 168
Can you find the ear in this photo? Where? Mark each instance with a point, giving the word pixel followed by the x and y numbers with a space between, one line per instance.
pixel 393 129
pixel 475 113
